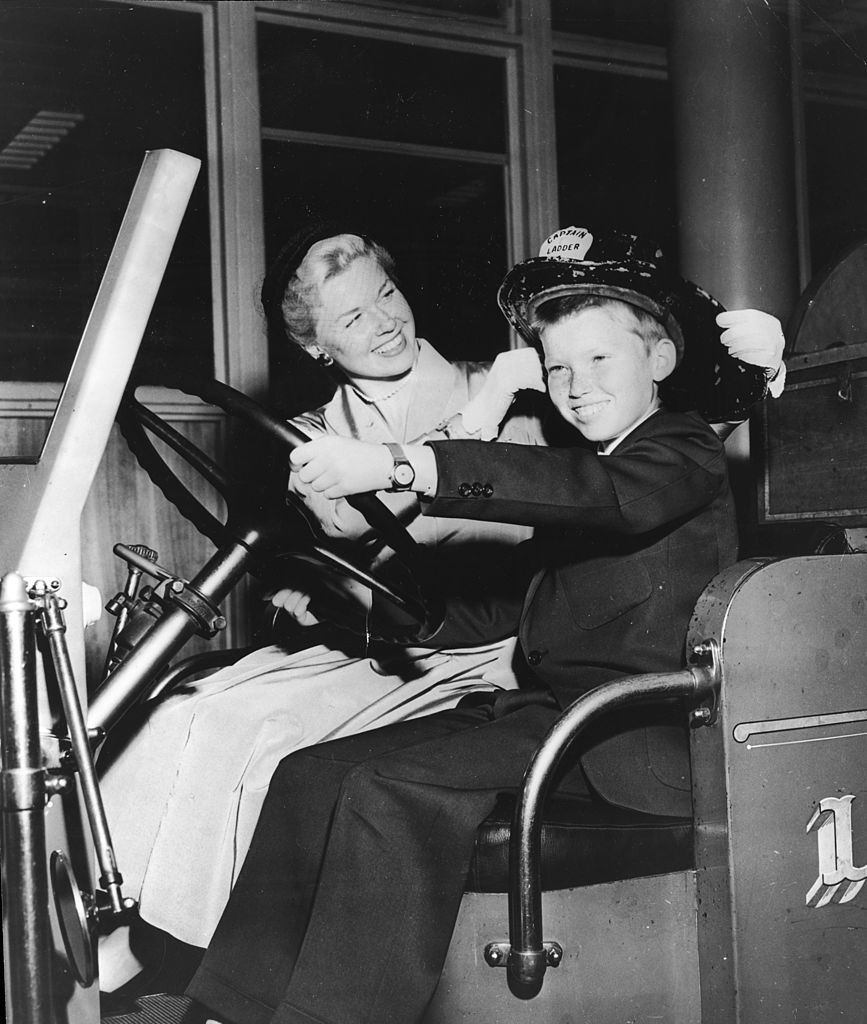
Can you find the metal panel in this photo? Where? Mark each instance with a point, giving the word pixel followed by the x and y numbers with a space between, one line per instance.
pixel 814 442
pixel 781 795
pixel 629 955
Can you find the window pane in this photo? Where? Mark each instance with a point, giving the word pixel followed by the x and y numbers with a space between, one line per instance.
pixel 87 90
pixel 615 151
pixel 341 85
pixel 836 144
pixel 443 220
pixel 834 39
pixel 633 21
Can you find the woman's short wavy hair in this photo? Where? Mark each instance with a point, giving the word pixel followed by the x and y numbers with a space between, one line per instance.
pixel 300 300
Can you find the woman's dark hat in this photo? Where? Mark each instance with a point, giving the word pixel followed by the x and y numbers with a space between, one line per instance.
pixel 289 259
pixel 576 261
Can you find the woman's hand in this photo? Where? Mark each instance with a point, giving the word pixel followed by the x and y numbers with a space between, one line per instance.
pixel 339 599
pixel 757 338
pixel 517 370
pixel 338 466
pixel 294 603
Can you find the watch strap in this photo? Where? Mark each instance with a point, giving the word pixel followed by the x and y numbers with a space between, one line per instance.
pixel 400 459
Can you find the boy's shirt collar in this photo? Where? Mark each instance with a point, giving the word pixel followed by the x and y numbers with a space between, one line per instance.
pixel 608 447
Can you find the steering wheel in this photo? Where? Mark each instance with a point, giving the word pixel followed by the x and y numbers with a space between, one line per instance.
pixel 273 519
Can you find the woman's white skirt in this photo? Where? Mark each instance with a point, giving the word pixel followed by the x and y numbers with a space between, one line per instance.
pixel 183 798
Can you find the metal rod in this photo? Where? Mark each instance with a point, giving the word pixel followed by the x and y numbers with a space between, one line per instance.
pixel 55 630
pixel 25 876
pixel 527 959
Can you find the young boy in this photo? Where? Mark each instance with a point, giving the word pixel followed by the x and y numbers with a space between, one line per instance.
pixel 346 903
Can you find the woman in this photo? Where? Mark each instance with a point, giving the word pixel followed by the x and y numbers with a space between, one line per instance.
pixel 181 831
pixel 183 798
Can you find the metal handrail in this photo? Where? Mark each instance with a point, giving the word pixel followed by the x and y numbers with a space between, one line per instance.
pixel 528 958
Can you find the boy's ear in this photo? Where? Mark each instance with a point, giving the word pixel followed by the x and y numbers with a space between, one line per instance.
pixel 664 359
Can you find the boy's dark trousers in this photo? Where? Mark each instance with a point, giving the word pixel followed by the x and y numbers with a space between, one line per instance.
pixel 344 909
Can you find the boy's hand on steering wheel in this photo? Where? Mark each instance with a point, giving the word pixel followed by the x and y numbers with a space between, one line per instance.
pixel 336 516
pixel 338 466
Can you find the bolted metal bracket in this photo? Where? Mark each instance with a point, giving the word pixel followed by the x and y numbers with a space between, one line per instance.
pixel 38 585
pixel 56 783
pixel 497 953
pixel 207 616
pixel 706 654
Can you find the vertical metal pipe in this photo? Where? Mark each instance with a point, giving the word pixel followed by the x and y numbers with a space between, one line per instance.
pixel 25 876
pixel 729 65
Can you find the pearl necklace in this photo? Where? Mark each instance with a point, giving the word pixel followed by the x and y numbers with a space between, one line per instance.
pixel 402 383
pixel 390 394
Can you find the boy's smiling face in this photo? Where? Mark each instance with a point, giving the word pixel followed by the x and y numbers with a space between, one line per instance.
pixel 602 375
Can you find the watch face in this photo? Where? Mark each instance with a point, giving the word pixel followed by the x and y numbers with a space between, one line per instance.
pixel 403 474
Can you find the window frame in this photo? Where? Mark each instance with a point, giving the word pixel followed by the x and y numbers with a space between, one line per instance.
pixel 530 51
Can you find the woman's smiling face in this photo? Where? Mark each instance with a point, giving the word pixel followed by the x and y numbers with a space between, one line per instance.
pixel 364 323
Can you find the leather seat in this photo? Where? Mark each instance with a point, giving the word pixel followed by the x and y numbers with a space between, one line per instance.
pixel 584 842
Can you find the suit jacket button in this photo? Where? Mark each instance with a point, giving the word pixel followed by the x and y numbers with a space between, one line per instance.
pixel 477 489
pixel 464 490
pixel 487 490
pixel 534 657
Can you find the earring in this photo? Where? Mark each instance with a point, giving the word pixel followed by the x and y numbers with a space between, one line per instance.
pixel 324 359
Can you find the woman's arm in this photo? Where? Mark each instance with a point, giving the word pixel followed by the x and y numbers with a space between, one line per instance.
pixel 487 412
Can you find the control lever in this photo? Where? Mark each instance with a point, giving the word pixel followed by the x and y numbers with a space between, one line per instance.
pixel 148 606
pixel 120 604
pixel 142 559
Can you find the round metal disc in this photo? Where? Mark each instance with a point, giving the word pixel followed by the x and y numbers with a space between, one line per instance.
pixel 72 917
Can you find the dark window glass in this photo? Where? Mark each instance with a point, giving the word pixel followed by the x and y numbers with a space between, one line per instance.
pixel 471 8
pixel 836 144
pixel 615 150
pixel 442 220
pixel 633 21
pixel 342 85
pixel 834 37
pixel 87 89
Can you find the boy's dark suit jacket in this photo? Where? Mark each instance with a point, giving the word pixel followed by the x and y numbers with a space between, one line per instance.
pixel 624 546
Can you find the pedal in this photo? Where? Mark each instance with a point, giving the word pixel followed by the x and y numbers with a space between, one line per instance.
pixel 159 1008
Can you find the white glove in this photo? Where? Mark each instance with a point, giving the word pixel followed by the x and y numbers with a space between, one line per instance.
pixel 757 338
pixel 336 516
pixel 516 370
pixel 337 466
